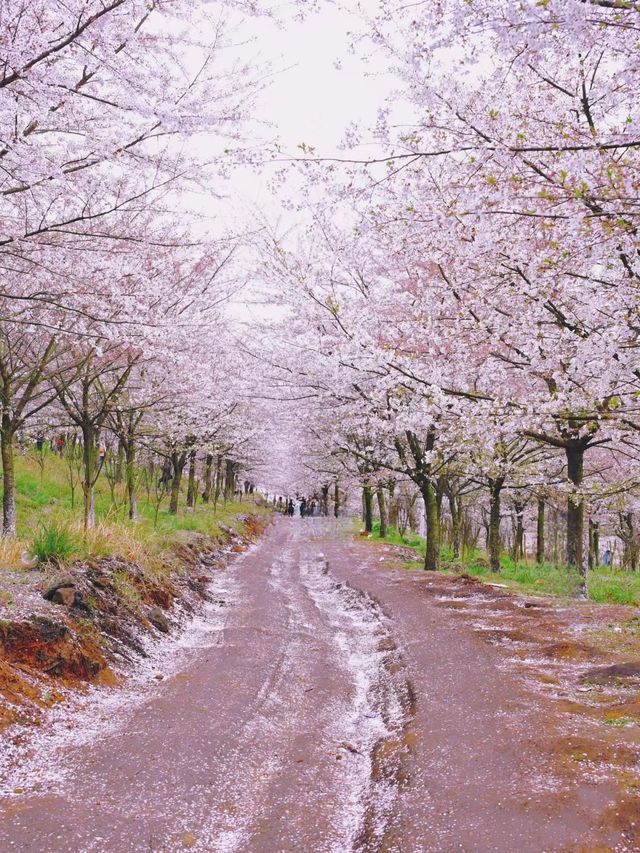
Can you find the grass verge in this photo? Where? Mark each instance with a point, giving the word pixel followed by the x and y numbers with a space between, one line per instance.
pixel 604 585
pixel 50 519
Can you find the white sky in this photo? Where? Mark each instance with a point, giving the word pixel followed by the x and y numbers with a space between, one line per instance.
pixel 308 100
pixel 311 100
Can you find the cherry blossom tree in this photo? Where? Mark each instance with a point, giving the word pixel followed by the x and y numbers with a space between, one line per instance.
pixel 100 107
pixel 494 272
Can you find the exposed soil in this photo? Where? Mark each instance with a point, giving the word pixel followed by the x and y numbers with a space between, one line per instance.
pixel 329 699
pixel 61 631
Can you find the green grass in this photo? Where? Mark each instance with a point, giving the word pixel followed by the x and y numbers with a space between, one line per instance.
pixel 546 578
pixel 50 528
pixel 604 585
pixel 614 587
pixel 409 540
pixel 621 722
pixel 124 586
pixel 53 544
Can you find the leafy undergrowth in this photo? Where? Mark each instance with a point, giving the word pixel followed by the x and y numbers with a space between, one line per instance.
pixel 65 624
pixel 604 585
pixel 405 540
pixel 53 544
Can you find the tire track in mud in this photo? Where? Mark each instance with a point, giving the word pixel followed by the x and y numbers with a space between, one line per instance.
pixel 363 715
pixel 377 729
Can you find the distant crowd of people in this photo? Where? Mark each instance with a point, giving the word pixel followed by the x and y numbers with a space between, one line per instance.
pixel 304 505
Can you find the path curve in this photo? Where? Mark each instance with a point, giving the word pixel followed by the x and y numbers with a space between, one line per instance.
pixel 329 707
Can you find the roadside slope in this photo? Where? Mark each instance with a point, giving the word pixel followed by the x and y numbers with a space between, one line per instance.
pixel 90 623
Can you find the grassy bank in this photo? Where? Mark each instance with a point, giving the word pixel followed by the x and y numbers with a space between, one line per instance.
pixel 79 608
pixel 50 518
pixel 603 584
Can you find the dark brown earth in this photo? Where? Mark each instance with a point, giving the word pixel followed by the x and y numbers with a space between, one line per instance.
pixel 336 701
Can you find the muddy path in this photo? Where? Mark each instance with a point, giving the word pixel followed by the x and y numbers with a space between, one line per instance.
pixel 329 701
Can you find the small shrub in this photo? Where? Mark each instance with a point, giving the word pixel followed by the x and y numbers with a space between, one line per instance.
pixel 476 567
pixel 394 537
pixel 53 544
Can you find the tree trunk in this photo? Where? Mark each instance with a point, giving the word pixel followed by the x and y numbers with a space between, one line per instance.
pixel 336 500
pixel 367 505
pixel 218 483
pixel 494 541
pixel 229 480
pixel 593 544
pixel 440 490
pixel 191 488
pixel 455 508
pixel 393 513
pixel 120 463
pixel 432 551
pixel 596 543
pixel 575 508
pixel 178 461
pixel 540 544
pixel 518 545
pixel 130 474
pixel 629 544
pixel 8 481
pixel 382 509
pixel 89 464
pixel 208 473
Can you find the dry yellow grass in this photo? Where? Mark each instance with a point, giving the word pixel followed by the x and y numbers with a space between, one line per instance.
pixel 14 553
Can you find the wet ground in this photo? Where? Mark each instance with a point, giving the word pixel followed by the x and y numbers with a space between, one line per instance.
pixel 332 700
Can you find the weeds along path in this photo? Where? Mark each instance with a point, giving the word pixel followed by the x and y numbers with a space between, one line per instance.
pixel 324 706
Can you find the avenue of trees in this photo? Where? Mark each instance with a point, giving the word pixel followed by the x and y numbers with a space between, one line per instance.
pixel 460 314
pixel 463 314
pixel 112 330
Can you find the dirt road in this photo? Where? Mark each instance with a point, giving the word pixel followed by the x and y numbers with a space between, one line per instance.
pixel 325 704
